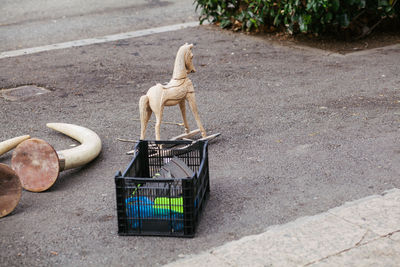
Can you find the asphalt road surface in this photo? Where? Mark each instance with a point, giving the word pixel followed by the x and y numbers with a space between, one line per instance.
pixel 303 131
pixel 25 24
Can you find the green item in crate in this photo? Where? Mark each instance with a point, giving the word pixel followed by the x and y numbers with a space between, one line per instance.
pixel 175 203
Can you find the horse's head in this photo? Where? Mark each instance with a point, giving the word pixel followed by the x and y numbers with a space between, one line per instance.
pixel 183 62
pixel 189 59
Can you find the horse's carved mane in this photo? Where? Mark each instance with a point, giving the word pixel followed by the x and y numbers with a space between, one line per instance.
pixel 180 72
pixel 180 63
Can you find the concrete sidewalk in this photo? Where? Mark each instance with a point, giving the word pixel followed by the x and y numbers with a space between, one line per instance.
pixel 365 232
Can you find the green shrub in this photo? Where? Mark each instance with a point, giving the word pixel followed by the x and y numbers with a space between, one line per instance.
pixel 306 16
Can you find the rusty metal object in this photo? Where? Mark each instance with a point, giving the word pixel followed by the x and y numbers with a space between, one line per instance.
pixel 38 164
pixel 10 185
pixel 10 190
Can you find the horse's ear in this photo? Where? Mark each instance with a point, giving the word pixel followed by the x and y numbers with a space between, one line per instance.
pixel 191 46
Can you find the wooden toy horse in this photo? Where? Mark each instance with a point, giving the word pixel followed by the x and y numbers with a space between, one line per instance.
pixel 179 89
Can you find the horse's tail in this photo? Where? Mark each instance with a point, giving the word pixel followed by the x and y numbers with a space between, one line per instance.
pixel 145 114
pixel 143 106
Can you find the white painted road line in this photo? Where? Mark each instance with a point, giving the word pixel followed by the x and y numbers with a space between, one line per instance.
pixel 104 39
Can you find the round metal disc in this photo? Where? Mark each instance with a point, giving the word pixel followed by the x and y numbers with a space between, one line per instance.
pixel 36 163
pixel 10 190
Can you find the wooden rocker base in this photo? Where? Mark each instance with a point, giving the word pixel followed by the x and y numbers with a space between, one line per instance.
pixel 186 136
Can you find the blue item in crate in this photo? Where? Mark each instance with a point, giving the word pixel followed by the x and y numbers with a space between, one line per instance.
pixel 139 208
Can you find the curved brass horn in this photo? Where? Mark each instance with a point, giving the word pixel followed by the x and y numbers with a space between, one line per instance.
pixel 9 144
pixel 38 164
pixel 88 150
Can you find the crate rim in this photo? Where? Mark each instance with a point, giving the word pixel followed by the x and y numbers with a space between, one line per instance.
pixel 160 142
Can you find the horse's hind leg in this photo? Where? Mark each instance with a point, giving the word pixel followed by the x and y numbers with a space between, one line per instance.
pixel 158 122
pixel 144 123
pixel 145 114
pixel 182 106
pixel 192 103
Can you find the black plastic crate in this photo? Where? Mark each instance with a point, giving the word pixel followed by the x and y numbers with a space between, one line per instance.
pixel 148 205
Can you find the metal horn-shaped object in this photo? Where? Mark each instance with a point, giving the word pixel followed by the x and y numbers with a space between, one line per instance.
pixel 38 164
pixel 10 186
pixel 9 144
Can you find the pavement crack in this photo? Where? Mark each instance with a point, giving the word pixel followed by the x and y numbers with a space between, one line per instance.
pixel 344 219
pixel 390 234
pixel 356 245
pixel 362 238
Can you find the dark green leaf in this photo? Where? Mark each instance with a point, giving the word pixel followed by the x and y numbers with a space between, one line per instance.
pixel 335 5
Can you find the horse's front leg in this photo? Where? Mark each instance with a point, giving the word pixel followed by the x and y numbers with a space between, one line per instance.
pixel 182 106
pixel 193 106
